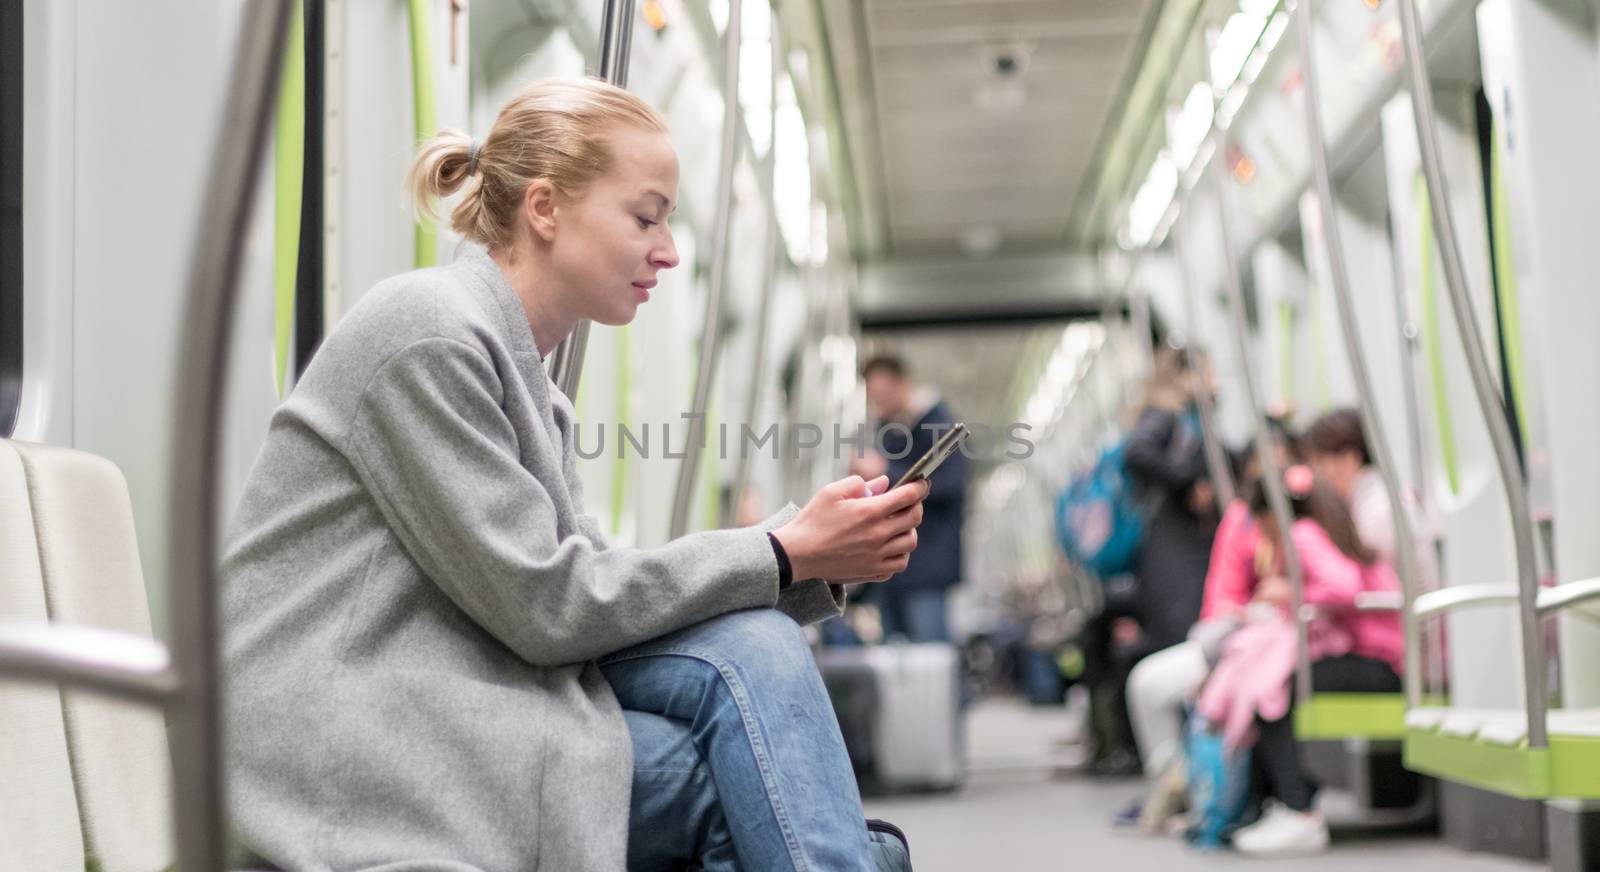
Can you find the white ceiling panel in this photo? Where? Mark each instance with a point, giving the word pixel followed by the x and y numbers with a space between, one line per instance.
pixel 944 140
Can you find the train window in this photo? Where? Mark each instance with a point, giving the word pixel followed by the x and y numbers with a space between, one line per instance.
pixel 10 213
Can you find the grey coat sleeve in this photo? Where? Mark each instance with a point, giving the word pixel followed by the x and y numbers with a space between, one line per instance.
pixel 432 445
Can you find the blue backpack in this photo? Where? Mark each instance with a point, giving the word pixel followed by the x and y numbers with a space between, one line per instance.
pixel 1098 519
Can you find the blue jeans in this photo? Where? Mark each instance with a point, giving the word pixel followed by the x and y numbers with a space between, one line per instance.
pixel 738 759
pixel 918 615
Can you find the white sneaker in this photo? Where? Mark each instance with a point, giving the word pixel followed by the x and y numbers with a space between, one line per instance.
pixel 1283 832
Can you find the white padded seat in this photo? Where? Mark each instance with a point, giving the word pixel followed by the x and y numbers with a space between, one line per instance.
pixel 1507 727
pixel 39 824
pixel 89 554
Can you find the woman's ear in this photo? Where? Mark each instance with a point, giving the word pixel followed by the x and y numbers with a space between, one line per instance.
pixel 539 209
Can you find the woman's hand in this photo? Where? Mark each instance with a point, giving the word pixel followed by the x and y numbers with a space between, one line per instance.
pixel 1275 589
pixel 853 531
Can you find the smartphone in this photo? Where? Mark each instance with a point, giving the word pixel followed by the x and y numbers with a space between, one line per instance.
pixel 938 454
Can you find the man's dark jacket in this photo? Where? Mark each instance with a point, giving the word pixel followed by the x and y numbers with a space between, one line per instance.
pixel 936 564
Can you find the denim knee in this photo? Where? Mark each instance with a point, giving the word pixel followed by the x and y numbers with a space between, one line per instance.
pixel 761 642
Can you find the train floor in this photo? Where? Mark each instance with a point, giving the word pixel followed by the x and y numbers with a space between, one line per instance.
pixel 1023 809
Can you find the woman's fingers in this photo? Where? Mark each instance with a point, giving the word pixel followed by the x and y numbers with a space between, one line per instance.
pixel 898 499
pixel 904 543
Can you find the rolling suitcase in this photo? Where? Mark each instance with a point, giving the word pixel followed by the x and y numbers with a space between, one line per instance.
pixel 914 733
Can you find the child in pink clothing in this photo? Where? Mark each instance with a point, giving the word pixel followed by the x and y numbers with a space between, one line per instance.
pixel 1353 651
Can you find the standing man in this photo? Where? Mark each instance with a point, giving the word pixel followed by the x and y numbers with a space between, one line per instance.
pixel 910 419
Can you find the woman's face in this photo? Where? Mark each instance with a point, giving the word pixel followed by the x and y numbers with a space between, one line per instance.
pixel 613 239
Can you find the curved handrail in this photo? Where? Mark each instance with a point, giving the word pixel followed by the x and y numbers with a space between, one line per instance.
pixel 1568 595
pixel 773 260
pixel 123 665
pixel 1271 474
pixel 1510 468
pixel 1381 601
pixel 616 40
pixel 1551 600
pixel 1437 602
pixel 711 322
pixel 1216 458
pixel 1378 446
pixel 195 716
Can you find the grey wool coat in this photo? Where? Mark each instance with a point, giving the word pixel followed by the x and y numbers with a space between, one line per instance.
pixel 414 600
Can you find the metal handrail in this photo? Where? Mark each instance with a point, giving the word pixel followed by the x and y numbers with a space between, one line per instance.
pixel 124 665
pixel 185 679
pixel 1378 447
pixel 769 285
pixel 1568 595
pixel 1551 600
pixel 1448 599
pixel 1216 457
pixel 1381 601
pixel 1271 474
pixel 1488 397
pixel 616 42
pixel 711 323
pixel 195 718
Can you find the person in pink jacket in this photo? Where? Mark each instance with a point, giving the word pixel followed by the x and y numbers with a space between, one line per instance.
pixel 1357 652
pixel 1164 684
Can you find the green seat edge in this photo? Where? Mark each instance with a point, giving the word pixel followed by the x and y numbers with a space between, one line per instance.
pixel 1568 769
pixel 1333 716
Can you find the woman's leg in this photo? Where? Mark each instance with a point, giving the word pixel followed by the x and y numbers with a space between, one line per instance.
pixel 748 690
pixel 675 819
pixel 1158 688
pixel 927 615
pixel 1278 758
pixel 1277 749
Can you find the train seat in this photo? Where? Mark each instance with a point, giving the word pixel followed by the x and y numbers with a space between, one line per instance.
pixel 36 794
pixel 88 562
pixel 1489 748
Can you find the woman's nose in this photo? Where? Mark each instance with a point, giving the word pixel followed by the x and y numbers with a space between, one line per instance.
pixel 665 256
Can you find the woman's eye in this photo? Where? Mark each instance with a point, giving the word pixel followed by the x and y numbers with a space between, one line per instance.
pixel 645 223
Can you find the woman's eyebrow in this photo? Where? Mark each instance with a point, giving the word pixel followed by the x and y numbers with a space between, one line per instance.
pixel 665 202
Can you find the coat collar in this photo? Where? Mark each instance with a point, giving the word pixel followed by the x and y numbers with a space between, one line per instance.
pixel 474 260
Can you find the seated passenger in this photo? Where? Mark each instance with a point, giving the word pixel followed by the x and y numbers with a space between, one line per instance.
pixel 1353 652
pixel 1336 447
pixel 1165 683
pixel 435 660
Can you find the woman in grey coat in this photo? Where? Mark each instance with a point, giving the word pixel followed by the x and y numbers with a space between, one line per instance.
pixel 436 662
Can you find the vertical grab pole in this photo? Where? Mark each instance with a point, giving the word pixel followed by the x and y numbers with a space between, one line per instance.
pixel 195 718
pixel 1489 404
pixel 616 42
pixel 1216 458
pixel 1271 474
pixel 424 116
pixel 774 261
pixel 711 322
pixel 1371 419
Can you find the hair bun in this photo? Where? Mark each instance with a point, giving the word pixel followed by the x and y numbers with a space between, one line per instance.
pixel 1298 480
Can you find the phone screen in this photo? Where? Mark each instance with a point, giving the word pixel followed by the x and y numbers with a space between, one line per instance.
pixel 941 450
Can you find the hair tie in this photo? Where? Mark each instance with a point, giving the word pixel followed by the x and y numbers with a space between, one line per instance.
pixel 1298 480
pixel 473 151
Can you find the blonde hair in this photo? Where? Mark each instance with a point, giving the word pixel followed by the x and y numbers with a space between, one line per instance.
pixel 554 129
pixel 1168 384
